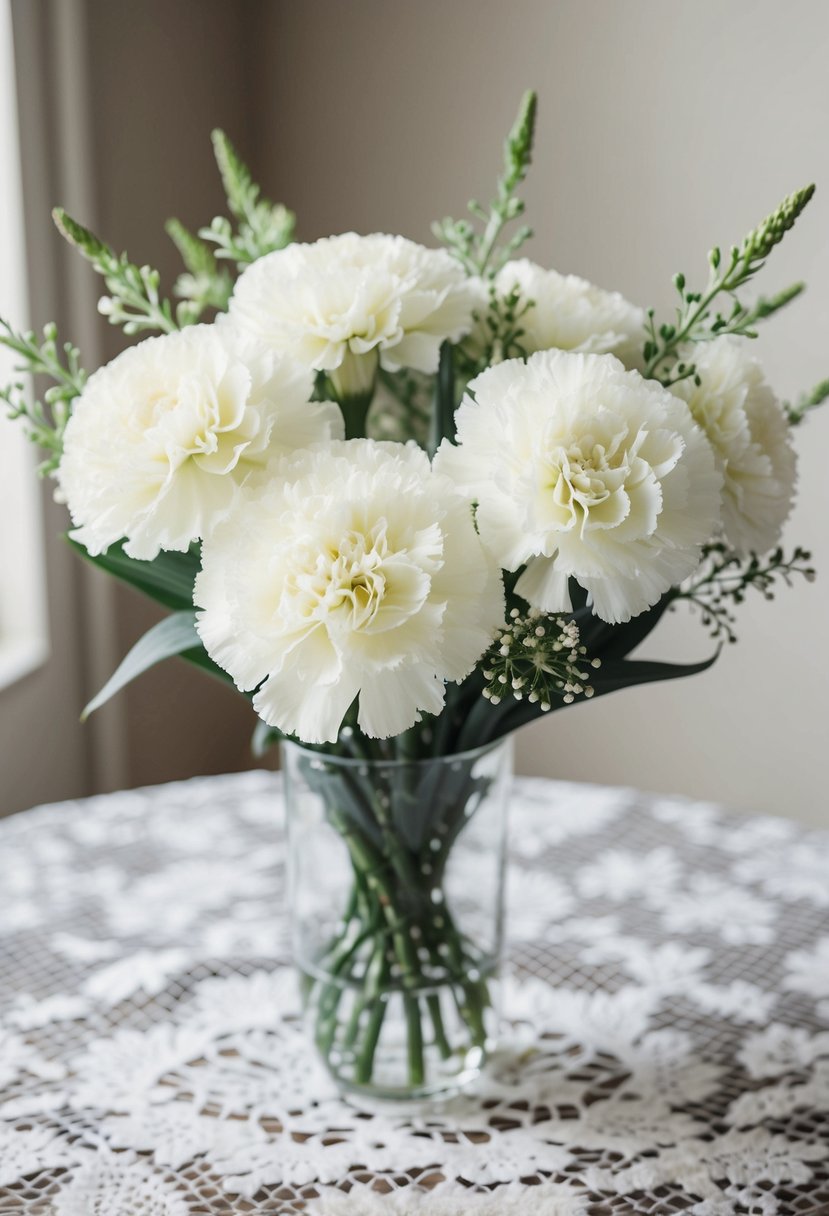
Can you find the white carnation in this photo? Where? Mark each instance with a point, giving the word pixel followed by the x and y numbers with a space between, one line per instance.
pixel 162 438
pixel 564 312
pixel 750 434
pixel 584 470
pixel 356 571
pixel 344 303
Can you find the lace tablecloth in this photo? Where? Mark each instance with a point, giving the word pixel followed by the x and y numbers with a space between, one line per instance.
pixel 667 1045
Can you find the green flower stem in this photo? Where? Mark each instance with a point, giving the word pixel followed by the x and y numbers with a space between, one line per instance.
pixel 397 940
pixel 471 997
pixel 354 411
pixel 414 1029
pixel 364 1066
pixel 441 1041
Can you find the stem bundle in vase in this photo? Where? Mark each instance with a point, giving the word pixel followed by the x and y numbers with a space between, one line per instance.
pixel 384 942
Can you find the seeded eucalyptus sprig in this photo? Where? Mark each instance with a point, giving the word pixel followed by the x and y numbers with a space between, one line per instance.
pixel 478 251
pixel 262 226
pixel 134 301
pixel 205 284
pixel 696 318
pixel 724 579
pixel 44 420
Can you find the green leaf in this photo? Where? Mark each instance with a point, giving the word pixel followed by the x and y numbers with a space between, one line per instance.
pixel 610 677
pixel 168 578
pixel 627 673
pixel 443 409
pixel 174 635
pixel 609 642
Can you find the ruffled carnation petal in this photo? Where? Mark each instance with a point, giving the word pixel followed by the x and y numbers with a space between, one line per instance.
pixel 162 439
pixel 581 469
pixel 347 301
pixel 751 438
pixel 356 570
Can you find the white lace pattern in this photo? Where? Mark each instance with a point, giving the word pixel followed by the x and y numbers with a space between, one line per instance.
pixel 665 1046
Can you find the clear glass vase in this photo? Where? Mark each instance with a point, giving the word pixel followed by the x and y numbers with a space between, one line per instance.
pixel 396 877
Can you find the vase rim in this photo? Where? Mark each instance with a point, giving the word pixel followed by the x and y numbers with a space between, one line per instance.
pixel 472 753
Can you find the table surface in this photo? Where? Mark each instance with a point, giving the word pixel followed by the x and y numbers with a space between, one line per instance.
pixel 667 1047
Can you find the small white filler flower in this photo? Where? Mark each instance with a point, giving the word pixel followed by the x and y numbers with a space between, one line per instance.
pixel 584 470
pixel 751 438
pixel 565 312
pixel 356 571
pixel 347 303
pixel 163 437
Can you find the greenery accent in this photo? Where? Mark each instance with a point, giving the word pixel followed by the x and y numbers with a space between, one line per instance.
pixel 499 332
pixel 206 284
pixel 134 301
pixel 478 251
pixel 168 578
pixel 539 657
pixel 697 321
pixel 402 408
pixel 443 408
pixel 766 306
pixel 725 577
pixel 172 635
pixel 806 402
pixel 262 226
pixel 44 419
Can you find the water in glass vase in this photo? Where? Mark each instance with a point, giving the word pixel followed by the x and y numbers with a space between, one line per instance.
pixel 396 875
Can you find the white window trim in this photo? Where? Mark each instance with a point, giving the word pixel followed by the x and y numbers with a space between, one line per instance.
pixel 24 632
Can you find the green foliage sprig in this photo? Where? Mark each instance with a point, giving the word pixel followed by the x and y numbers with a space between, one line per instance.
pixel 806 402
pixel 499 333
pixel 205 284
pixel 134 301
pixel 263 226
pixel 44 419
pixel 696 318
pixel 478 250
pixel 724 579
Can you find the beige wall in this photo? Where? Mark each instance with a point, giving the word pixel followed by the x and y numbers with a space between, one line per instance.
pixel 663 127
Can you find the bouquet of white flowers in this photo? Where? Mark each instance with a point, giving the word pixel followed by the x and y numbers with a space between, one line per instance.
pixel 408 500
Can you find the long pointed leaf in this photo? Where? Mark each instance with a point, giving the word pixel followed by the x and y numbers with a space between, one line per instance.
pixel 174 635
pixel 168 578
pixel 611 642
pixel 612 676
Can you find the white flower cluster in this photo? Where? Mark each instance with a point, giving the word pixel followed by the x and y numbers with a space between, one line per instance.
pixel 348 303
pixel 749 432
pixel 339 571
pixel 357 572
pixel 163 438
pixel 583 470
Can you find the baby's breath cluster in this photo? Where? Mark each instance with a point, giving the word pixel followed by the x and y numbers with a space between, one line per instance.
pixel 540 658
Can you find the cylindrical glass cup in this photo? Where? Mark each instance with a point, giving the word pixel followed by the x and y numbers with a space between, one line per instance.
pixel 396 879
